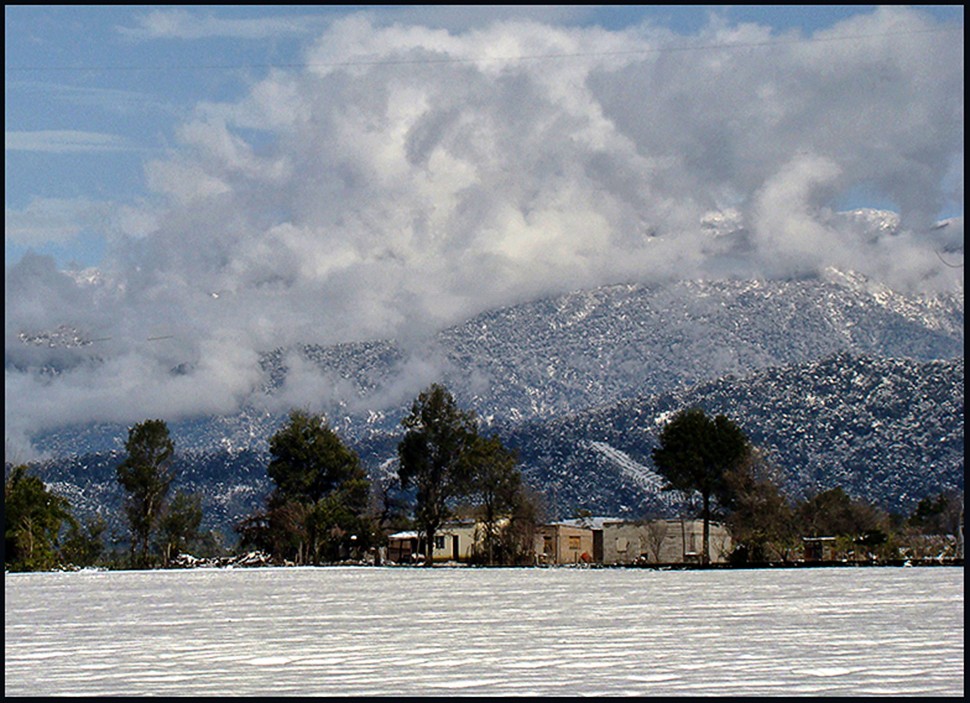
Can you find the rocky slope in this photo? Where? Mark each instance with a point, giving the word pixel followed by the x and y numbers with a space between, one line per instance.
pixel 886 430
pixel 572 352
pixel 843 380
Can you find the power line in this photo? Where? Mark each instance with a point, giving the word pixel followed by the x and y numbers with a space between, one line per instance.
pixel 481 59
pixel 947 263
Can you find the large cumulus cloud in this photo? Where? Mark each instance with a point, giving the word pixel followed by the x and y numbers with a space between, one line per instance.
pixel 408 177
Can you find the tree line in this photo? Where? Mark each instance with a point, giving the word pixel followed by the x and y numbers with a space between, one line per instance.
pixel 736 483
pixel 324 508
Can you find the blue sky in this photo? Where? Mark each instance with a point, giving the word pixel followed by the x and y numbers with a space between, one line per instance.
pixel 92 92
pixel 191 186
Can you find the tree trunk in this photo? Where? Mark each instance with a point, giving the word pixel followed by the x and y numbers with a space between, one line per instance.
pixel 705 555
pixel 28 528
pixel 149 519
pixel 429 548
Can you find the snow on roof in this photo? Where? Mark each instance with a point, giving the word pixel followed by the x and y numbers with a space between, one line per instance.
pixel 595 523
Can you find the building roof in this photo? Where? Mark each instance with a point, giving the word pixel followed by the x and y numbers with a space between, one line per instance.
pixel 594 523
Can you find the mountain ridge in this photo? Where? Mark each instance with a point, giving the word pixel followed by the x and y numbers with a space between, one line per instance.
pixel 886 430
pixel 574 351
pixel 841 380
pixel 889 431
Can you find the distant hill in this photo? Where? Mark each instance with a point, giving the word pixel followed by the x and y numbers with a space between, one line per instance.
pixel 843 380
pixel 890 431
pixel 577 351
pixel 887 430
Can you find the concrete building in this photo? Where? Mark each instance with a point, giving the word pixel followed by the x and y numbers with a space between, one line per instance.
pixel 455 541
pixel 663 542
pixel 562 543
pixel 819 548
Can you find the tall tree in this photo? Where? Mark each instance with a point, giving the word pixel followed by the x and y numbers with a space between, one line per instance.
pixel 146 475
pixel 435 458
pixel 32 520
pixel 934 520
pixel 179 526
pixel 517 540
pixel 318 510
pixel 84 543
pixel 280 529
pixel 939 514
pixel 309 460
pixel 497 485
pixel 761 519
pixel 834 512
pixel 391 505
pixel 695 453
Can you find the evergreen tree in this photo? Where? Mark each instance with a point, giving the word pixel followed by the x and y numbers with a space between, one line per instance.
pixel 835 513
pixel 695 453
pixel 435 458
pixel 146 475
pixel 84 543
pixel 318 510
pixel 497 485
pixel 309 460
pixel 32 521
pixel 940 514
pixel 179 526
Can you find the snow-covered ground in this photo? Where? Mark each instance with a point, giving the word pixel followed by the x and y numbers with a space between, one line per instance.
pixel 403 631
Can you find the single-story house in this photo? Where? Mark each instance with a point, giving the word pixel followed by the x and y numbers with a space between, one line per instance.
pixel 562 543
pixel 663 542
pixel 455 541
pixel 819 548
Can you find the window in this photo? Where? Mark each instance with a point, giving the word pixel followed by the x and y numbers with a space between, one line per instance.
pixel 574 542
pixel 439 541
pixel 621 544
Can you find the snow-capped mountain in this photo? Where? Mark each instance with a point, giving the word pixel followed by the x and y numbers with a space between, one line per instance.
pixel 572 352
pixel 525 368
pixel 886 430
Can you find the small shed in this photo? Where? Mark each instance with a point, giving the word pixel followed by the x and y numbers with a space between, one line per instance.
pixel 455 541
pixel 819 548
pixel 562 543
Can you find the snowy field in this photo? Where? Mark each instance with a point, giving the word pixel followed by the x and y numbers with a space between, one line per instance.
pixel 387 631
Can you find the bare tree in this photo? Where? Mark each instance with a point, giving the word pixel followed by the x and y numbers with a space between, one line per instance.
pixel 656 534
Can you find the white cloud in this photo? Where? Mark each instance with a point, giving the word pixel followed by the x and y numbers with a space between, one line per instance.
pixel 122 102
pixel 182 24
pixel 411 176
pixel 786 222
pixel 64 141
pixel 45 220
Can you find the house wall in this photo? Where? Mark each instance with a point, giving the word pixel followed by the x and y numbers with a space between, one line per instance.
pixel 819 548
pixel 466 542
pixel 563 544
pixel 622 543
pixel 663 542
pixel 656 542
pixel 401 546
